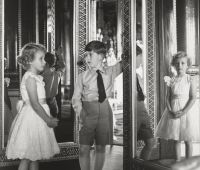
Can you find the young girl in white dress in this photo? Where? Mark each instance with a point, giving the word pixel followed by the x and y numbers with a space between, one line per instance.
pixel 180 120
pixel 31 136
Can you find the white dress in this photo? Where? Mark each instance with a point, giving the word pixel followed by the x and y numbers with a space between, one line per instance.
pixel 187 127
pixel 30 137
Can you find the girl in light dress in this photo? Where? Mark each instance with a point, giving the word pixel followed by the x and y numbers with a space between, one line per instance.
pixel 31 136
pixel 180 120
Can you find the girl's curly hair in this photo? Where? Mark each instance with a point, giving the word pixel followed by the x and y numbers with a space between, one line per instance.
pixel 180 54
pixel 27 54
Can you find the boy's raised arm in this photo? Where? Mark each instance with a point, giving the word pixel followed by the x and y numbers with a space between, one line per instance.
pixel 117 69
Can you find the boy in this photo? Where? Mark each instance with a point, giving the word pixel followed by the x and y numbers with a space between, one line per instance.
pixel 90 102
pixel 144 131
pixel 52 75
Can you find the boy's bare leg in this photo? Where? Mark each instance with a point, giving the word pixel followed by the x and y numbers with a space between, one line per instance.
pixel 188 149
pixel 24 164
pixel 34 165
pixel 99 157
pixel 178 150
pixel 146 151
pixel 84 157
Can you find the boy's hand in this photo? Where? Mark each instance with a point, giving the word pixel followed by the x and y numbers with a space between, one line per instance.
pixel 52 122
pixel 78 112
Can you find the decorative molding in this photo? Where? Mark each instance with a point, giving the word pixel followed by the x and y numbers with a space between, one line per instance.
pixel 2 72
pixel 151 76
pixel 19 37
pixel 151 63
pixel 127 86
pixel 83 29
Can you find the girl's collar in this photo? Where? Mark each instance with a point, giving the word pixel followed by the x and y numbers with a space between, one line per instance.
pixel 35 75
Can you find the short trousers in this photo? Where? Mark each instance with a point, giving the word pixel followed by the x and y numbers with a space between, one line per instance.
pixel 144 130
pixel 96 123
pixel 53 106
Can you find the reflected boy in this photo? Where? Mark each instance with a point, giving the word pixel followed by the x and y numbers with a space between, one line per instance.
pixel 52 74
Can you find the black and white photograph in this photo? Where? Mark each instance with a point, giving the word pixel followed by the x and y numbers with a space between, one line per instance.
pixel 99 85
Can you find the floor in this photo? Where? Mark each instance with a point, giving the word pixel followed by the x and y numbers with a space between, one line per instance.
pixel 114 158
pixel 114 161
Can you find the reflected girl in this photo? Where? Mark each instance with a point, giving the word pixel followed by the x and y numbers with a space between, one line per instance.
pixel 180 119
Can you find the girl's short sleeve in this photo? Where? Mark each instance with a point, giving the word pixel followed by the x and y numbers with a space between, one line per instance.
pixel 169 81
pixel 38 78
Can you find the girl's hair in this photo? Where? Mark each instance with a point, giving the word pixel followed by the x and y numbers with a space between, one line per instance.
pixel 178 55
pixel 27 54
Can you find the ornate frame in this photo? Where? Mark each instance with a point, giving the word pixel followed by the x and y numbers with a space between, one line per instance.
pixel 1 67
pixel 129 20
pixel 149 24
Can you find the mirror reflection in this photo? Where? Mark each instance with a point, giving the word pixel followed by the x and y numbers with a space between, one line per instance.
pixel 179 93
pixel 64 83
pixel 175 134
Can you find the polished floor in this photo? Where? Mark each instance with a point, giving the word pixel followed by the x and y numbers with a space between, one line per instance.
pixel 114 161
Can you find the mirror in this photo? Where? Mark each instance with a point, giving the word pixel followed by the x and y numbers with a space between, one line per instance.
pixel 64 38
pixel 175 30
pixel 181 36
